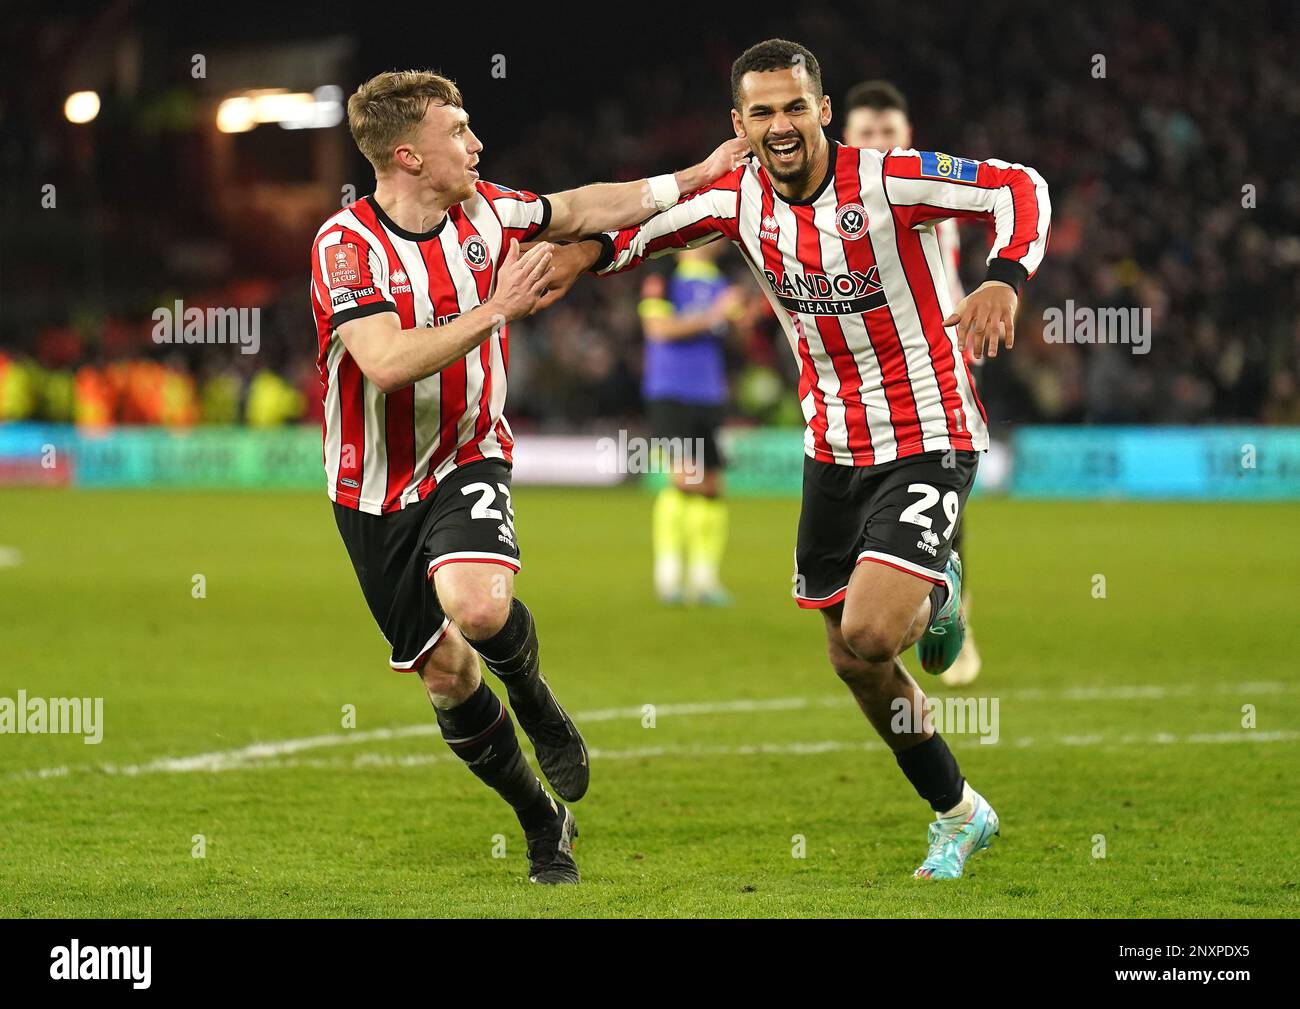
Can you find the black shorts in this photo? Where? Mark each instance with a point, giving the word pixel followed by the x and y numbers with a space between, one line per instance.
pixel 696 422
pixel 468 517
pixel 903 513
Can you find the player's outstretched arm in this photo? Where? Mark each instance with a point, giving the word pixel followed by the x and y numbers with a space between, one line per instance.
pixel 696 220
pixel 614 205
pixel 393 357
pixel 924 186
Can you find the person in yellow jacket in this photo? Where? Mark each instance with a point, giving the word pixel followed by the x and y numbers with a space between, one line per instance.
pixel 686 319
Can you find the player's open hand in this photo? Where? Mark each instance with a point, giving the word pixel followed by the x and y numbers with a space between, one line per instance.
pixel 568 264
pixel 522 280
pixel 985 316
pixel 725 157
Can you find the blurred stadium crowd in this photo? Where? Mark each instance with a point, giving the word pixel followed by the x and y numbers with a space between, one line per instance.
pixel 1172 180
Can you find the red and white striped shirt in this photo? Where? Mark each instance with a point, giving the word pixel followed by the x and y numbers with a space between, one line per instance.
pixel 949 239
pixel 385 451
pixel 856 276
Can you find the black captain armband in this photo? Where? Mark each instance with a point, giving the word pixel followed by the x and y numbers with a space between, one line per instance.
pixel 1007 272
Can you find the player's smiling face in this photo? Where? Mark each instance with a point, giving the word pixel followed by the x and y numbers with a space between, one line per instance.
pixel 444 152
pixel 783 118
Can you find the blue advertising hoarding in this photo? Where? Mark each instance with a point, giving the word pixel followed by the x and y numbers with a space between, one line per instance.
pixel 1203 463
pixel 1170 463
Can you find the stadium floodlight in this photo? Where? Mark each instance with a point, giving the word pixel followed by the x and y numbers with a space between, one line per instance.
pixel 324 110
pixel 292 110
pixel 235 115
pixel 81 106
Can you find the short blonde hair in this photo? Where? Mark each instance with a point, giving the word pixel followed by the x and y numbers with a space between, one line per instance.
pixel 386 109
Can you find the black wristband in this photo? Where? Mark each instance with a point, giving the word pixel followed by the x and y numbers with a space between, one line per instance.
pixel 1007 272
pixel 606 251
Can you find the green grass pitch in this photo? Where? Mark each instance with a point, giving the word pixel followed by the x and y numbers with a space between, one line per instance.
pixel 1121 721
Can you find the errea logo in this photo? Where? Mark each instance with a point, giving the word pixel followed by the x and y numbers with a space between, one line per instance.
pixel 400 282
pixel 768 230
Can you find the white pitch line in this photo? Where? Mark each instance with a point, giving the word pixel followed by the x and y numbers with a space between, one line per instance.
pixel 1145 693
pixel 216 760
pixel 801 749
pixel 265 753
pixel 10 557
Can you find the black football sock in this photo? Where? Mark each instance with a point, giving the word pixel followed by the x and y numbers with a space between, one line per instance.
pixel 480 732
pixel 933 772
pixel 938 596
pixel 512 654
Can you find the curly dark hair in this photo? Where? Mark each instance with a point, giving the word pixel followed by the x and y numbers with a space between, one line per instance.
pixel 775 54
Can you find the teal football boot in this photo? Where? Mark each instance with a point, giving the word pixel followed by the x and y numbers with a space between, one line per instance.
pixel 955 840
pixel 941 643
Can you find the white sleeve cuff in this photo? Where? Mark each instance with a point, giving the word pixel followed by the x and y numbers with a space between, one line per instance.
pixel 664 191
